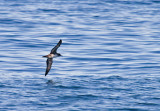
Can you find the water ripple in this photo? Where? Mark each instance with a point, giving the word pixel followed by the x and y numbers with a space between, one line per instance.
pixel 110 55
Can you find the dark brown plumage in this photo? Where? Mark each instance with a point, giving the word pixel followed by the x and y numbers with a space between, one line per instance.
pixel 52 55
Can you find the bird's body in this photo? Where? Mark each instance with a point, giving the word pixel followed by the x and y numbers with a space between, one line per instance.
pixel 49 56
pixel 52 55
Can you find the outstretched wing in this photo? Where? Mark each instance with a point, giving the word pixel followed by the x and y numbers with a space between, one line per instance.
pixel 54 50
pixel 49 65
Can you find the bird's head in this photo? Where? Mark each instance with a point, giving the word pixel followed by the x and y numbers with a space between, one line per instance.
pixel 58 54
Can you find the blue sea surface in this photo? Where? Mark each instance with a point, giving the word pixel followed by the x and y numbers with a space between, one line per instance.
pixel 110 62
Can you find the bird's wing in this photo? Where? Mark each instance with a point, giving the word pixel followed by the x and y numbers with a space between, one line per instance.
pixel 54 50
pixel 49 64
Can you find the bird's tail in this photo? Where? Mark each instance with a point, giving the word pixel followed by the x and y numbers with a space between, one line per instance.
pixel 44 56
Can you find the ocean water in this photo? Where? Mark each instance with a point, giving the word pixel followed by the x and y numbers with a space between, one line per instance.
pixel 110 62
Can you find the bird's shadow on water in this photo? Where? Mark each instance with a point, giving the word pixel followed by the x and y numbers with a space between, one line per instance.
pixel 52 83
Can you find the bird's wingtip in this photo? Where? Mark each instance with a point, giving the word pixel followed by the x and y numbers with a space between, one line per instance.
pixel 46 74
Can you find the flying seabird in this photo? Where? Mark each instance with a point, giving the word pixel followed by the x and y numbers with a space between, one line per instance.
pixel 52 55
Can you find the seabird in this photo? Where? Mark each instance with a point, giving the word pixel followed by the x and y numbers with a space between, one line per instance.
pixel 52 55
